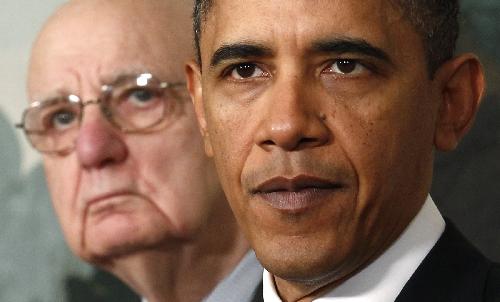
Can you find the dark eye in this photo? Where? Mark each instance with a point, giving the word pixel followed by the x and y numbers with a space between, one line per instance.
pixel 247 70
pixel 141 96
pixel 346 67
pixel 62 119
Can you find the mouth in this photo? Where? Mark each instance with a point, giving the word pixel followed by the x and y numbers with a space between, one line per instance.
pixel 107 202
pixel 297 194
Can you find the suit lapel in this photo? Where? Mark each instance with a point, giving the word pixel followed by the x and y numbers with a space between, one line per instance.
pixel 452 271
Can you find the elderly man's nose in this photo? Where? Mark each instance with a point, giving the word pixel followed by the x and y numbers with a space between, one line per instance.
pixel 292 120
pixel 98 142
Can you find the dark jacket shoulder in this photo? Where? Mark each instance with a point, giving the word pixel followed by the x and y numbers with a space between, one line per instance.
pixel 492 291
pixel 454 270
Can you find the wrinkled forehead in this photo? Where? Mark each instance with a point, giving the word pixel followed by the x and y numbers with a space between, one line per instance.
pixel 83 39
pixel 214 12
pixel 295 24
pixel 205 7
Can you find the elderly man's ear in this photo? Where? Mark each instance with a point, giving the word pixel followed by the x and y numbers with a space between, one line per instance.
pixel 461 83
pixel 193 78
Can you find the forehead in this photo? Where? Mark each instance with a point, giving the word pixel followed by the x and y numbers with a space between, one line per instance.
pixel 294 24
pixel 99 43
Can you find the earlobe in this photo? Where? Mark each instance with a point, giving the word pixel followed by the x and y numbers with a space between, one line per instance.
pixel 462 86
pixel 194 86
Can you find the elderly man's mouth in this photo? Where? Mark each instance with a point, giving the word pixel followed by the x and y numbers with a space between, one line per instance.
pixel 108 202
pixel 297 194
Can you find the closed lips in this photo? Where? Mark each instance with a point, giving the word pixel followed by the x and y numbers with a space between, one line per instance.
pixel 295 184
pixel 296 194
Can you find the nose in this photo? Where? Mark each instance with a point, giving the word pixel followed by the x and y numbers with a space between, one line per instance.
pixel 98 143
pixel 293 119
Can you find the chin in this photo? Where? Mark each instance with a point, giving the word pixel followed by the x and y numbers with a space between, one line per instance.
pixel 302 270
pixel 302 261
pixel 118 238
pixel 101 255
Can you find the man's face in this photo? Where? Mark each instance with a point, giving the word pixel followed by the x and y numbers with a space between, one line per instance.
pixel 118 193
pixel 320 116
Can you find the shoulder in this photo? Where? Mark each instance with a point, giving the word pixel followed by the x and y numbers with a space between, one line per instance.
pixel 454 270
pixel 492 288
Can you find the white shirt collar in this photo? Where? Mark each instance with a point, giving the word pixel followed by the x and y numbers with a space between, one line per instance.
pixel 384 278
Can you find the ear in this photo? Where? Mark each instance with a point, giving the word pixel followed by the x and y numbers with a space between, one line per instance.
pixel 194 86
pixel 461 82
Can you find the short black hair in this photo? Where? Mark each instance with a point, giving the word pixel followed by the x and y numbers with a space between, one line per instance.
pixel 200 12
pixel 435 20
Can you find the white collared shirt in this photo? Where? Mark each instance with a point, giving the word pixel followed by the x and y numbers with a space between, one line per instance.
pixel 384 278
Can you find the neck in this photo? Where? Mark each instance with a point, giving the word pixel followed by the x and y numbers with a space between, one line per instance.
pixel 300 292
pixel 184 271
pixel 297 291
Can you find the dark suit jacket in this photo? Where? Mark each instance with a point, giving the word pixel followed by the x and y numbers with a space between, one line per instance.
pixel 453 271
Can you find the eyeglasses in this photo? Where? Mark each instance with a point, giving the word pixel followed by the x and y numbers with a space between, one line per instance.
pixel 133 104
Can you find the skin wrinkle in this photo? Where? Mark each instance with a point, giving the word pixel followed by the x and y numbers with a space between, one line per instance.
pixel 157 236
pixel 150 186
pixel 383 133
pixel 98 259
pixel 436 23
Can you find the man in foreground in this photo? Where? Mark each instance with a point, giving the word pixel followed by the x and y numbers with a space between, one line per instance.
pixel 322 117
pixel 129 181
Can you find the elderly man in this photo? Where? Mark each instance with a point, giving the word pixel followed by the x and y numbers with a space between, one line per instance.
pixel 124 161
pixel 322 117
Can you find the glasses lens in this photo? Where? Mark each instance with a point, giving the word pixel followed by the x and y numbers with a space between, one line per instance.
pixel 53 125
pixel 140 103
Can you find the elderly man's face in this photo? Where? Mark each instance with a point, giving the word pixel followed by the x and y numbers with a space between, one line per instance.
pixel 118 193
pixel 321 117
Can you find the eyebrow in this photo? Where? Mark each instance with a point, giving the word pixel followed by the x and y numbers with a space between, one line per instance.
pixel 239 51
pixel 243 50
pixel 117 75
pixel 350 45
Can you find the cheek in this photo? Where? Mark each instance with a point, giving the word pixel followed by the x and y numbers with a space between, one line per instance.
pixel 177 177
pixel 62 175
pixel 227 128
pixel 231 136
pixel 394 127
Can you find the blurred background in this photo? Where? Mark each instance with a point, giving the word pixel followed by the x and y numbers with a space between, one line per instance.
pixel 36 265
